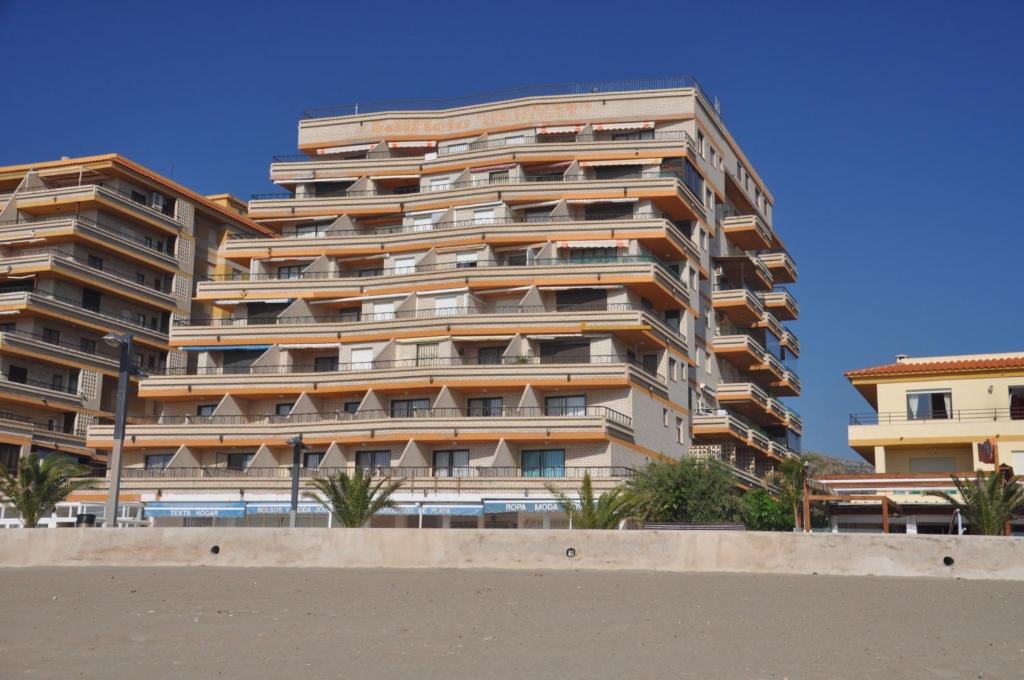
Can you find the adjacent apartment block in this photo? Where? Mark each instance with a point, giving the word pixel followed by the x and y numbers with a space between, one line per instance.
pixel 482 300
pixel 932 417
pixel 90 246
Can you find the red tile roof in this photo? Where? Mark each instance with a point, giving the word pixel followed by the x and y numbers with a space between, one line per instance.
pixel 955 365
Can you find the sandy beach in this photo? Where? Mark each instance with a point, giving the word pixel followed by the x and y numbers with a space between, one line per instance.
pixel 313 623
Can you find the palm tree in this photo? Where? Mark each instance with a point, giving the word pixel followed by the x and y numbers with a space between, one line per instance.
pixel 41 483
pixel 354 500
pixel 605 512
pixel 789 479
pixel 987 502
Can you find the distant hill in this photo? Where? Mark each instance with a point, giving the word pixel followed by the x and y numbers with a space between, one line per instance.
pixel 831 465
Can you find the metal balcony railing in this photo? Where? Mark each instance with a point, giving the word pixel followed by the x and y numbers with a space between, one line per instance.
pixel 70 388
pixel 592 87
pixel 153 243
pixel 100 348
pixel 455 472
pixel 952 415
pixel 483 223
pixel 128 278
pixel 77 304
pixel 391 364
pixel 471 184
pixel 418 314
pixel 401 413
pixel 450 266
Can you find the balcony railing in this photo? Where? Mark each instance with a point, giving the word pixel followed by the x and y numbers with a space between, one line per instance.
pixel 391 364
pixel 592 87
pixel 483 223
pixel 77 304
pixel 435 313
pixel 100 349
pixel 471 184
pixel 451 266
pixel 953 415
pixel 166 213
pixel 382 414
pixel 70 388
pixel 154 244
pixel 285 473
pixel 128 278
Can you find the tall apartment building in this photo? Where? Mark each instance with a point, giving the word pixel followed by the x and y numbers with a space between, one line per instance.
pixel 90 246
pixel 484 299
pixel 933 418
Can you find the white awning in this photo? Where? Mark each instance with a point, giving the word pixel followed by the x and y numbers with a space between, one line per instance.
pixel 434 293
pixel 413 144
pixel 558 129
pixel 542 204
pixel 249 301
pixel 413 341
pixel 345 149
pixel 621 161
pixel 577 287
pixel 322 179
pixel 638 125
pixel 314 345
pixel 608 243
pixel 585 201
pixel 496 291
pixel 360 298
pixel 378 177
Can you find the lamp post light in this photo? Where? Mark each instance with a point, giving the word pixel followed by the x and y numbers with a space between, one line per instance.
pixel 297 447
pixel 125 369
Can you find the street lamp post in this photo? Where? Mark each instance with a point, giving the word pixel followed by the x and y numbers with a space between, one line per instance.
pixel 297 447
pixel 127 345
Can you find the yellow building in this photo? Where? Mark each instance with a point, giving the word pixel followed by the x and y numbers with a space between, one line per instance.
pixel 483 300
pixel 931 418
pixel 90 246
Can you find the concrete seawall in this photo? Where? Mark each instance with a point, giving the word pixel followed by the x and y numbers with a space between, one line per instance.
pixel 973 557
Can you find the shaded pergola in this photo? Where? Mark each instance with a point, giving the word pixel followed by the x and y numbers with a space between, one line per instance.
pixel 888 505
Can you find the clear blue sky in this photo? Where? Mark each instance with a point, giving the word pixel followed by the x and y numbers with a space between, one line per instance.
pixel 889 132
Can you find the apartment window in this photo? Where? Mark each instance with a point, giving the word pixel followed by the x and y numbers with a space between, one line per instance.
pixel 51 336
pixel 569 405
pixel 325 364
pixel 362 358
pixel 679 430
pixel 664 417
pixel 237 461
pixel 370 272
pixel 96 262
pixel 483 216
pixel 140 319
pixel 515 139
pixel 87 345
pixel 426 354
pixel 937 405
pixel 405 265
pixel 205 410
pixel 423 223
pixel 651 363
pixel 458 147
pixel 709 198
pixel 1017 405
pixel 446 306
pixel 351 407
pixel 18 374
pixel 57 383
pixel 284 408
pixel 312 459
pixel 409 408
pixel 701 144
pixel 451 463
pixel 638 136
pixel 290 272
pixel 158 461
pixel 139 197
pixel 91 299
pixel 673 368
pixel 8 327
pixel 465 260
pixel 672 319
pixel 543 463
pixel 140 278
pixel 497 177
pixel 489 355
pixel 384 311
pixel 483 407
pixel 373 460
pixel 440 184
